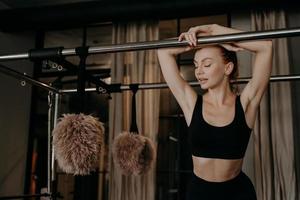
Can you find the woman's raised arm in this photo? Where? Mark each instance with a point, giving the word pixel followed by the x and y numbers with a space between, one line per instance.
pixel 183 92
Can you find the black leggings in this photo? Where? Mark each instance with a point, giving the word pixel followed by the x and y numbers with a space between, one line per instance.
pixel 238 188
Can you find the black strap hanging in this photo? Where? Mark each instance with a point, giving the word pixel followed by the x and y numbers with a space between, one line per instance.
pixel 83 53
pixel 133 128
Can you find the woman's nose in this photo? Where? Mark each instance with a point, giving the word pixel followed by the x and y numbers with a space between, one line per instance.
pixel 199 70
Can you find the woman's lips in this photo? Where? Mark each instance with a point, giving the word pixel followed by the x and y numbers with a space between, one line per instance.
pixel 202 80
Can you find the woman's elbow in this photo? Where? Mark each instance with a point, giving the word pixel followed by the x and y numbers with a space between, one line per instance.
pixel 264 47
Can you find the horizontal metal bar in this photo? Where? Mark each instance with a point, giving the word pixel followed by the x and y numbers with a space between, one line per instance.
pixel 279 78
pixel 28 79
pixel 26 196
pixel 135 46
pixel 15 56
pixel 75 90
pixel 202 40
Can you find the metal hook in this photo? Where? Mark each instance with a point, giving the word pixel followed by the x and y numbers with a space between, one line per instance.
pixel 54 65
pixel 23 82
pixel 60 68
pixel 102 90
pixel 50 97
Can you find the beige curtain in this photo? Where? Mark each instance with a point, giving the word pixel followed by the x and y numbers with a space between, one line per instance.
pixel 273 134
pixel 134 67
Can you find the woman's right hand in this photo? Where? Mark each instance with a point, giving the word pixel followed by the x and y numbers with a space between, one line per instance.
pixel 208 30
pixel 191 35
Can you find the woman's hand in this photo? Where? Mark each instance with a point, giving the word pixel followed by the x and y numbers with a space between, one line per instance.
pixel 209 30
pixel 191 35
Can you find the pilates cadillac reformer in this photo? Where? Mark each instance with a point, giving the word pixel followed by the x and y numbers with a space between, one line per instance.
pixel 58 54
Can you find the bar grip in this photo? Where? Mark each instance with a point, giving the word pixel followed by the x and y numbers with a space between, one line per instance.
pixel 46 53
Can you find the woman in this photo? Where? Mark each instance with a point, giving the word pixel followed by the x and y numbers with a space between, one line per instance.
pixel 220 121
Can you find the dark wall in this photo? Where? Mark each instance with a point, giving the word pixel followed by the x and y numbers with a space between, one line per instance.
pixel 14 115
pixel 78 14
pixel 293 20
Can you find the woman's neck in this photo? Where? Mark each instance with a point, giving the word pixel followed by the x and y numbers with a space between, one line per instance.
pixel 220 94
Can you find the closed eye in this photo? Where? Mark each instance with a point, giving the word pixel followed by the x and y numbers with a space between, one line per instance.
pixel 207 65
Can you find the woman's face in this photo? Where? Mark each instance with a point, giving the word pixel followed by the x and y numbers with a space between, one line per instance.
pixel 210 69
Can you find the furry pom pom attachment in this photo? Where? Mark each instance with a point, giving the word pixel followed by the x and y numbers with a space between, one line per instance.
pixel 133 153
pixel 77 140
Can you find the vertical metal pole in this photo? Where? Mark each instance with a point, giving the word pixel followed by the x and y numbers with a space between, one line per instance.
pixel 178 175
pixel 56 100
pixel 51 162
pixel 49 150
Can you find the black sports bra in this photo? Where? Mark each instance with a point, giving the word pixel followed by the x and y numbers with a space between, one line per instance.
pixel 226 142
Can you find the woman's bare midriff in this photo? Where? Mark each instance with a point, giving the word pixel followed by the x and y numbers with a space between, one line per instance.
pixel 216 170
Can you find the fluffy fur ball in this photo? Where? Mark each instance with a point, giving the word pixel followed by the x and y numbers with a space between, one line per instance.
pixel 133 153
pixel 77 140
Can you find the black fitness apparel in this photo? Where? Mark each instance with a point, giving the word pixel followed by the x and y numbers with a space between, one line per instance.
pixel 225 142
pixel 238 188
